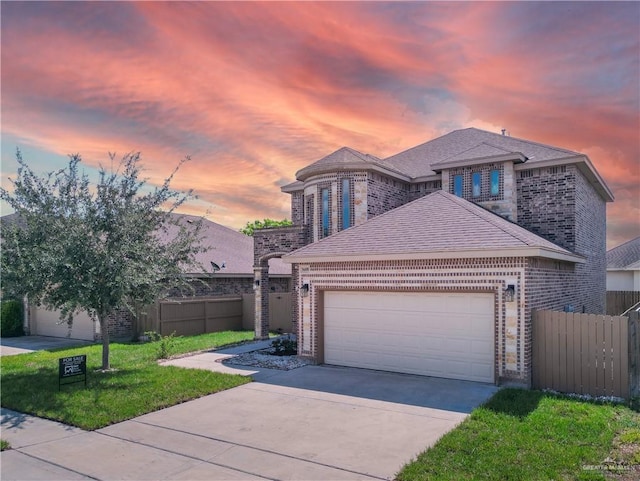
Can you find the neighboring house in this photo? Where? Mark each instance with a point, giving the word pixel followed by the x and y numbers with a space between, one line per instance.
pixel 228 270
pixel 432 260
pixel 623 267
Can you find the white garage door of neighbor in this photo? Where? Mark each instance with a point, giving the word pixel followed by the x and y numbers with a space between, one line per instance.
pixel 447 335
pixel 45 323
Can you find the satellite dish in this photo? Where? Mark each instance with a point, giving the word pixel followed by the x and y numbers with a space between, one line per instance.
pixel 215 267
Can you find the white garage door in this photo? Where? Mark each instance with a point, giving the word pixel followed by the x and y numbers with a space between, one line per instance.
pixel 45 323
pixel 435 334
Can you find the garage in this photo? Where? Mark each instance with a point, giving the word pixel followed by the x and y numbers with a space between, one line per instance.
pixel 45 322
pixel 440 334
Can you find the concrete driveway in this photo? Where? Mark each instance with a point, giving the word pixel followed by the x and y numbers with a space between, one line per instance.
pixel 10 346
pixel 311 423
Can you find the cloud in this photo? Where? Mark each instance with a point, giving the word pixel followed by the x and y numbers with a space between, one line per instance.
pixel 254 92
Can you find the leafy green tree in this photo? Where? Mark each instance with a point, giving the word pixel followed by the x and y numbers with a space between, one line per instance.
pixel 77 246
pixel 263 224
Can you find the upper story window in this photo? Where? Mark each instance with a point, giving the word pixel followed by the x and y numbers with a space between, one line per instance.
pixel 346 203
pixel 495 182
pixel 476 184
pixel 325 212
pixel 457 185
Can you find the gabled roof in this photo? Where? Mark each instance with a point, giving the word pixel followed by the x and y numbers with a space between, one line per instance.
pixel 345 158
pixel 418 161
pixel 481 153
pixel 625 256
pixel 439 225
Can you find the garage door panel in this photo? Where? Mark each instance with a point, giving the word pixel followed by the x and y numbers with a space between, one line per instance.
pixel 47 322
pixel 436 334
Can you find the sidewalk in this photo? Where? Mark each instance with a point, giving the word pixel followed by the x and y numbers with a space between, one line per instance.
pixel 34 441
pixel 311 423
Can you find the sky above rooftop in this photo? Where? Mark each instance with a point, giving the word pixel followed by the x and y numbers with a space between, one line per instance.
pixel 253 92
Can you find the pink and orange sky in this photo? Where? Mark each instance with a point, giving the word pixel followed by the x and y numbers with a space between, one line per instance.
pixel 255 91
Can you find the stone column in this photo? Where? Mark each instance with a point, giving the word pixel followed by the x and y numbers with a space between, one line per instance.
pixel 261 278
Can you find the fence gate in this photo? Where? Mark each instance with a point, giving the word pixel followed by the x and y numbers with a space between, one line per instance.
pixel 585 353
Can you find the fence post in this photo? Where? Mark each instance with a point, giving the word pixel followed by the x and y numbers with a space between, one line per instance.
pixel 634 353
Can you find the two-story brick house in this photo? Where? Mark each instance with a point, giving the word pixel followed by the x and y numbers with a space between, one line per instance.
pixel 430 261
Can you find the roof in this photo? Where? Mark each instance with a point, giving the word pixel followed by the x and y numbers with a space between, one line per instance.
pixel 345 158
pixel 439 225
pixel 458 148
pixel 468 143
pixel 625 256
pixel 227 247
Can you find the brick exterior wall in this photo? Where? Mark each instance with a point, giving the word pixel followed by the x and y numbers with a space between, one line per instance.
pixel 558 203
pixel 297 207
pixel 421 189
pixel 269 242
pixel 512 319
pixel 229 286
pixel 550 285
pixel 384 194
pixel 504 203
pixel 591 242
pixel 120 325
pixel 546 203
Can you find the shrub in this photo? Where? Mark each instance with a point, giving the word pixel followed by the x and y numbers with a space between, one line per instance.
pixel 285 346
pixel 165 343
pixel 11 319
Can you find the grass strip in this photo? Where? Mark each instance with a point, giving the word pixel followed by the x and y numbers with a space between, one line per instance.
pixel 137 384
pixel 521 434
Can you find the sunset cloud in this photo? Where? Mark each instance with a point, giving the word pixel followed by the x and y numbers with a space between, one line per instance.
pixel 255 91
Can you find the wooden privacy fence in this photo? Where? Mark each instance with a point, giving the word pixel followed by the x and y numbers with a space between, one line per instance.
pixel 280 315
pixel 586 353
pixel 188 317
pixel 620 301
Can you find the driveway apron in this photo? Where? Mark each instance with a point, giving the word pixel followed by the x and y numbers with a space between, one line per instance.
pixel 311 423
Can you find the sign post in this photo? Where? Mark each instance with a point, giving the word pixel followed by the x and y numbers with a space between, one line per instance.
pixel 72 367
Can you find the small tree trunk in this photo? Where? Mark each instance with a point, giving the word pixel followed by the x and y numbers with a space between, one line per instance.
pixel 104 331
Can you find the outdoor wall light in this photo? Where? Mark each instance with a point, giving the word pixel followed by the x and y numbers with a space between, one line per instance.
pixel 510 293
pixel 256 284
pixel 304 290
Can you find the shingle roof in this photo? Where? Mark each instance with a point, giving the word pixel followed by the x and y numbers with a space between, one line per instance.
pixel 625 256
pixel 438 223
pixel 469 143
pixel 480 151
pixel 227 246
pixel 341 158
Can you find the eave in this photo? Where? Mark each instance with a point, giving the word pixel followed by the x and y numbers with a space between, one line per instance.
pixel 293 258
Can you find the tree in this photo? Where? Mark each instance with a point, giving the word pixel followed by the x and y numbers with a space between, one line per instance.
pixel 263 224
pixel 77 246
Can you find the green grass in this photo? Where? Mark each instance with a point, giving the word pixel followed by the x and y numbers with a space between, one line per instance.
pixel 136 385
pixel 522 434
pixel 4 445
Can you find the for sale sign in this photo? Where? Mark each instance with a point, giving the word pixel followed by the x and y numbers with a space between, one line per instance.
pixel 72 367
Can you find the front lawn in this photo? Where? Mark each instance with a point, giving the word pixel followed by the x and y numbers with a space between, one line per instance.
pixel 522 434
pixel 136 386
